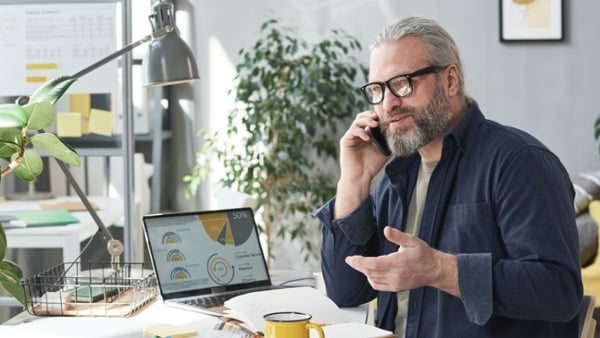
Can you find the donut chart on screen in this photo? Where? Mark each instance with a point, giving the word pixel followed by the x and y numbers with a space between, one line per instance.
pixel 220 270
pixel 228 229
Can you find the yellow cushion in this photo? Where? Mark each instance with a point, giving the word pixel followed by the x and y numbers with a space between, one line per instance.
pixel 591 273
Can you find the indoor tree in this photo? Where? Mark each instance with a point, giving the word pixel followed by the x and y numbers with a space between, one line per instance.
pixel 281 139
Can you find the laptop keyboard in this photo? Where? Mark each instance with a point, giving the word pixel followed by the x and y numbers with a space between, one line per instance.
pixel 211 300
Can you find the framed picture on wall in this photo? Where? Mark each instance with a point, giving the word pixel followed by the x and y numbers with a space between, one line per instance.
pixel 531 20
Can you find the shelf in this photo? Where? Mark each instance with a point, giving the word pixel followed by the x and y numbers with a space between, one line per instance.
pixel 106 146
pixel 98 145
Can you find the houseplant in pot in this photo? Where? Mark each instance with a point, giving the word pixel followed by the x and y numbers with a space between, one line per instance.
pixel 21 134
pixel 280 143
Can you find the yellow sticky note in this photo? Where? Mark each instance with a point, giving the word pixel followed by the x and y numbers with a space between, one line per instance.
pixel 81 103
pixel 68 124
pixel 101 122
pixel 171 331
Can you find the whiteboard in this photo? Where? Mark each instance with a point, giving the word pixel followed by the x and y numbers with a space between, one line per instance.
pixel 41 41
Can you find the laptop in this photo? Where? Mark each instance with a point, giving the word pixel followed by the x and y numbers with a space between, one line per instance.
pixel 203 258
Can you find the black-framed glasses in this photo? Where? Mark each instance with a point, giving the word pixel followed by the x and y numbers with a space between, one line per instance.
pixel 400 85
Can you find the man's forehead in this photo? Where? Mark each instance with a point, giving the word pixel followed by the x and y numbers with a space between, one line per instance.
pixel 397 56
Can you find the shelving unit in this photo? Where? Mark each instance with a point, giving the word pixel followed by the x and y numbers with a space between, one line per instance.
pixel 103 146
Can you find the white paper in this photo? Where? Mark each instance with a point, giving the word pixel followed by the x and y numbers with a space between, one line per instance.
pixel 250 308
pixel 353 329
pixel 42 41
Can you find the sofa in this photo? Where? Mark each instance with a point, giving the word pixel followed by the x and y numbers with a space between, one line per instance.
pixel 587 210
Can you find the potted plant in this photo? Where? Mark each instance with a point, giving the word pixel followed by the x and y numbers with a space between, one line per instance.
pixel 21 132
pixel 282 135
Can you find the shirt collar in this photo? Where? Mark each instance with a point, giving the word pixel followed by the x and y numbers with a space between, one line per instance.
pixel 464 131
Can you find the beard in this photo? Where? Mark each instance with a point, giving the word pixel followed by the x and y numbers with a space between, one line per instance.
pixel 429 122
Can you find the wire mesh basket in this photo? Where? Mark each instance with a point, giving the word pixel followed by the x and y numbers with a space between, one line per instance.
pixel 90 289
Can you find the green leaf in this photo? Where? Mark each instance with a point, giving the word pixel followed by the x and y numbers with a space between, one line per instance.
pixel 54 146
pixel 41 115
pixel 12 116
pixel 31 166
pixel 597 127
pixel 10 279
pixel 10 142
pixel 52 90
pixel 13 269
pixel 2 243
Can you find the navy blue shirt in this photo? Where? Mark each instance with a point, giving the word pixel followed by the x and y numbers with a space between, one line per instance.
pixel 503 204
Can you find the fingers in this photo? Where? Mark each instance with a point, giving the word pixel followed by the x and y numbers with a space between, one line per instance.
pixel 376 270
pixel 400 238
pixel 361 122
pixel 360 263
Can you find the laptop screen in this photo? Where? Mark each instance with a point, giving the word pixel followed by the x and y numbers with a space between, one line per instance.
pixel 202 252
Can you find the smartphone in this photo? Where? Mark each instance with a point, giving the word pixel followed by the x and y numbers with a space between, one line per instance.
pixel 379 140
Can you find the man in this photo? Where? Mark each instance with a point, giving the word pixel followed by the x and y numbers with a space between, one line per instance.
pixel 471 230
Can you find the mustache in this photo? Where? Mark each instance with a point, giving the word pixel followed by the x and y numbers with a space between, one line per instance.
pixel 404 111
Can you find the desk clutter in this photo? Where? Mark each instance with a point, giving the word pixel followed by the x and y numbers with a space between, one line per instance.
pixel 90 289
pixel 244 317
pixel 157 319
pixel 249 311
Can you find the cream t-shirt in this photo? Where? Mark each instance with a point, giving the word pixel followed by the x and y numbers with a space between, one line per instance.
pixel 413 223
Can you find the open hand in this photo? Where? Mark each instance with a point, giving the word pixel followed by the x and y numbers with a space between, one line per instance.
pixel 413 265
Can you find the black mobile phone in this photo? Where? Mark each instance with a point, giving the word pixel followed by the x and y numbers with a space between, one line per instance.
pixel 379 140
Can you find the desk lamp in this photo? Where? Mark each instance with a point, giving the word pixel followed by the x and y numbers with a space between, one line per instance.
pixel 170 62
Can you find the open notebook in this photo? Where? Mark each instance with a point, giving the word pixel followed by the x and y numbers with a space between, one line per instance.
pixel 203 258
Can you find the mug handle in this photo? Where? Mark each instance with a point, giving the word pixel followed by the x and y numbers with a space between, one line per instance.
pixel 317 328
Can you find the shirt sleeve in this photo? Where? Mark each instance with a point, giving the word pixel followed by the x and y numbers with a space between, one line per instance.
pixel 477 293
pixel 351 235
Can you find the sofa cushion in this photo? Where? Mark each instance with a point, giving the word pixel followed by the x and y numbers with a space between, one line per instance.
pixel 588 238
pixel 587 188
pixel 591 273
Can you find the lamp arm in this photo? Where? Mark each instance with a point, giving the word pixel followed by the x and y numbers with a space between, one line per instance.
pixel 86 202
pixel 164 31
pixel 113 245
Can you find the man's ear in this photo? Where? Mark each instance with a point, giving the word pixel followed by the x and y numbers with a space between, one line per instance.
pixel 452 80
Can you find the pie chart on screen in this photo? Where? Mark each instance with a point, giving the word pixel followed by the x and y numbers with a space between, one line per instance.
pixel 227 230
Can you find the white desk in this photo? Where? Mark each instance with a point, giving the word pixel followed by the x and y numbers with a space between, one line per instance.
pixel 66 237
pixel 96 327
pixel 156 313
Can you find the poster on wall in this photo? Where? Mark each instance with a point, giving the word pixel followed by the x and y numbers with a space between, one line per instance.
pixel 531 20
pixel 41 41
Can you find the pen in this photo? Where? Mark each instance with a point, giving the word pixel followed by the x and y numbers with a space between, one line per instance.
pixel 234 325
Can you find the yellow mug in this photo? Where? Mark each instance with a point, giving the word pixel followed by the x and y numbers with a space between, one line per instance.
pixel 290 325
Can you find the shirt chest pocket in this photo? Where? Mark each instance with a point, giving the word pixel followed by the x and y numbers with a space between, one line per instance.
pixel 469 228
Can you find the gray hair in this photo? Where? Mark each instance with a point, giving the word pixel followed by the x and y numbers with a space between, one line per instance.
pixel 441 48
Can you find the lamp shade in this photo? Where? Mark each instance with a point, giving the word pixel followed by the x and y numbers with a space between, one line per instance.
pixel 170 60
